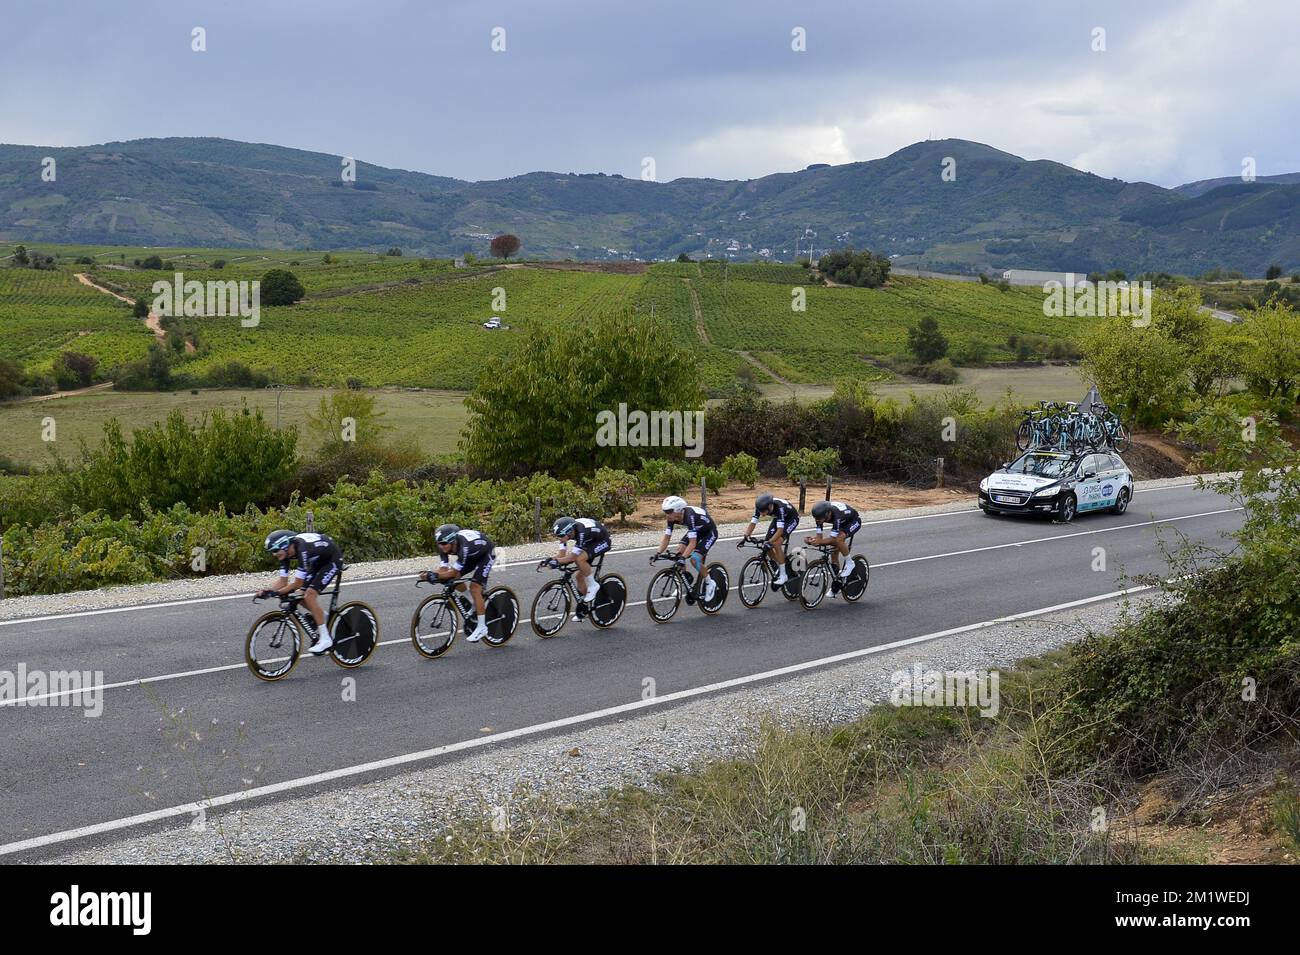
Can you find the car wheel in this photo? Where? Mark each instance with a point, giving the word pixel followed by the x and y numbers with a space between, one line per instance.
pixel 1121 502
pixel 988 512
pixel 1066 509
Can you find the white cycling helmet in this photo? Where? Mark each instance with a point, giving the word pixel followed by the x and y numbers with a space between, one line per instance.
pixel 673 503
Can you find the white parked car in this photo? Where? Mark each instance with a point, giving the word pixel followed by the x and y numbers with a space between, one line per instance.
pixel 492 322
pixel 1058 483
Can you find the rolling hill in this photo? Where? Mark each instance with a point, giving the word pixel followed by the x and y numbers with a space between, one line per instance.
pixel 1000 211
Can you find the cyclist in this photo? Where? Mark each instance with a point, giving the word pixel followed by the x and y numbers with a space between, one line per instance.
pixel 785 518
pixel 701 535
pixel 844 523
pixel 319 562
pixel 582 540
pixel 465 553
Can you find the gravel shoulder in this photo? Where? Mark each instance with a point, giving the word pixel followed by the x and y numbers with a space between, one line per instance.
pixel 582 761
pixel 134 595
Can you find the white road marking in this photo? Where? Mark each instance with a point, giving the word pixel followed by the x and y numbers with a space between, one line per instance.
pixel 394 761
pixel 383 643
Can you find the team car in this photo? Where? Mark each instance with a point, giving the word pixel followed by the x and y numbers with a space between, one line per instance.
pixel 1059 484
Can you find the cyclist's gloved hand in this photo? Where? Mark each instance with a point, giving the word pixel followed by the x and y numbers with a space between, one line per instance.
pixel 741 543
pixel 653 558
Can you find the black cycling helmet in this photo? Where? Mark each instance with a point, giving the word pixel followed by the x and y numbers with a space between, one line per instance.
pixel 763 502
pixel 821 510
pixel 446 533
pixel 563 526
pixel 278 540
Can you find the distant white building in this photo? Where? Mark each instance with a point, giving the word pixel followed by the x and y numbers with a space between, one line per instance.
pixel 1032 277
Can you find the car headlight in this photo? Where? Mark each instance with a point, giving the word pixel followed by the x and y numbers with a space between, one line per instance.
pixel 1049 490
pixel 984 484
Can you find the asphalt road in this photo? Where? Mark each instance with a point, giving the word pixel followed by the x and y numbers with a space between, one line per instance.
pixel 203 727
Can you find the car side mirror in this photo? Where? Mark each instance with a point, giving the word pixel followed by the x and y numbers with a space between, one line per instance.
pixel 1089 474
pixel 1004 465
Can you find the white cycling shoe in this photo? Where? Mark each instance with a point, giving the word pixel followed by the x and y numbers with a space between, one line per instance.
pixel 710 590
pixel 323 642
pixel 781 577
pixel 593 589
pixel 478 633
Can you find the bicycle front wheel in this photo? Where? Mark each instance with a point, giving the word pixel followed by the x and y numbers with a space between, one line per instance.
pixel 272 646
pixel 434 625
pixel 550 609
pixel 816 582
pixel 355 631
pixel 754 581
pixel 664 596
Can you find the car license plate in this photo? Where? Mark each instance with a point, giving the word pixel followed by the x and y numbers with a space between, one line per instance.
pixel 1003 499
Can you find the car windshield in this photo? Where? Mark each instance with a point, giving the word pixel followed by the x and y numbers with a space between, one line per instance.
pixel 1041 465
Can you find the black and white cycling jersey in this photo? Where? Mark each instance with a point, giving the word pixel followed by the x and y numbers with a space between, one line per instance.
pixel 319 560
pixel 785 516
pixel 842 520
pixel 589 536
pixel 472 557
pixel 699 527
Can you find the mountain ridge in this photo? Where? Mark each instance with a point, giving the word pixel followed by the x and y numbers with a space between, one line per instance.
pixel 999 210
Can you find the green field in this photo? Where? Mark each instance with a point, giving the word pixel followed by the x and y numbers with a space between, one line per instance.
pixel 393 321
pixel 431 419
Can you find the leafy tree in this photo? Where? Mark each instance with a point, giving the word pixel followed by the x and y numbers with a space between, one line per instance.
pixel 1141 372
pixel 149 262
pixel 20 255
pixel 394 251
pixel 218 263
pixel 281 287
pixel 925 341
pixel 11 378
pixel 1273 358
pixel 539 411
pixel 74 370
pixel 1274 272
pixel 683 257
pixel 347 419
pixel 140 309
pixel 862 269
pixel 505 245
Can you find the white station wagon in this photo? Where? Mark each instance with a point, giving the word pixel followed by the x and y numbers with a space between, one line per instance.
pixel 1059 484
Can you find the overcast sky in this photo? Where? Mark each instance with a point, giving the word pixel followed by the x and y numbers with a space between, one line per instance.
pixel 1183 91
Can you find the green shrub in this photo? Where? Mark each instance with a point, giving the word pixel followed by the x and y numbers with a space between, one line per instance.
pixel 231 459
pixel 617 491
pixel 663 476
pixel 740 467
pixel 810 465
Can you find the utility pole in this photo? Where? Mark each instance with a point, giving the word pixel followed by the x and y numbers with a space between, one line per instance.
pixel 279 390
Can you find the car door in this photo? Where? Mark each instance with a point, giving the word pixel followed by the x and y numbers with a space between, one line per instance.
pixel 1087 490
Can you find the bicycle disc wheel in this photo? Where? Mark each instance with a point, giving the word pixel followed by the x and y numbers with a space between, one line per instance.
pixel 754 581
pixel 355 631
pixel 502 616
pixel 721 582
pixel 550 609
pixel 856 585
pixel 434 625
pixel 610 600
pixel 664 596
pixel 816 582
pixel 1024 435
pixel 273 644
